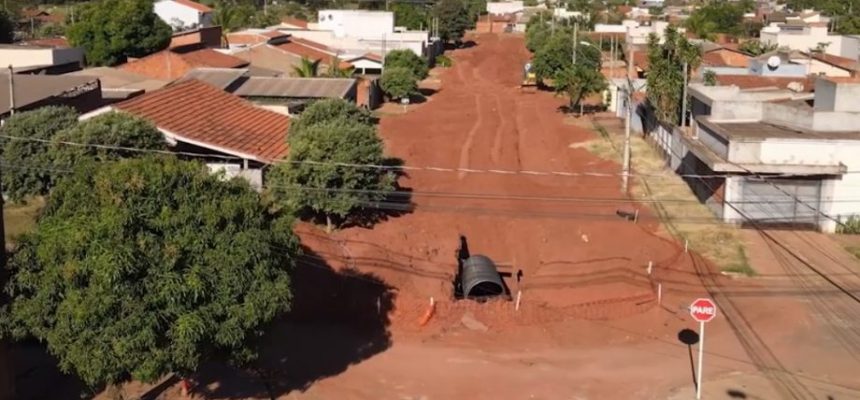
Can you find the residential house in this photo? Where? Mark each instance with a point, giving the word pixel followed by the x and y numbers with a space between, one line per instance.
pixel 723 60
pixel 803 36
pixel 33 91
pixel 183 14
pixel 32 19
pixel 496 23
pixel 283 53
pixel 638 35
pixel 209 36
pixel 239 138
pixel 118 85
pixel 280 94
pixel 174 63
pixel 775 156
pixel 52 56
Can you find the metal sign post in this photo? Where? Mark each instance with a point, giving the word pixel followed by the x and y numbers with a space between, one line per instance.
pixel 702 310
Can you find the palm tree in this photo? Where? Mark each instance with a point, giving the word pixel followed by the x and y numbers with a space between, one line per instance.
pixel 335 71
pixel 306 68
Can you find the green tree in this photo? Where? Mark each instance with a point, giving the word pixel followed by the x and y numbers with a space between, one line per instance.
pixel 7 27
pixel 106 137
pixel 665 77
pixel 454 19
pixel 710 78
pixel 110 31
pixel 330 110
pixel 398 82
pixel 306 68
pixel 32 159
pixel 537 33
pixel 411 16
pixel 556 55
pixel 336 71
pixel 755 47
pixel 530 3
pixel 405 58
pixel 313 177
pixel 716 17
pixel 148 266
pixel 231 15
pixel 578 82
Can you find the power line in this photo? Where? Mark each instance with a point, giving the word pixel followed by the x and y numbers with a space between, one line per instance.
pixel 590 174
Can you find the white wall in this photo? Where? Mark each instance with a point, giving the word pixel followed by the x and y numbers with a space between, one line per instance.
pixel 179 16
pixel 505 7
pixel 356 23
pixel 31 57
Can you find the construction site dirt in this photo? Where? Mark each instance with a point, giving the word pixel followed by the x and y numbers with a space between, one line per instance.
pixel 501 167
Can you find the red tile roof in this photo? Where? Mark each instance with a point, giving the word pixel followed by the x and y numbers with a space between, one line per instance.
pixel 841 62
pixel 295 22
pixel 640 60
pixel 195 5
pixel 274 34
pixel 843 79
pixel 758 81
pixel 205 115
pixel 57 43
pixel 312 50
pixel 174 63
pixel 311 43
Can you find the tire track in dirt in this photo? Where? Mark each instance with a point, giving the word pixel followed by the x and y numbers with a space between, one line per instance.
pixel 470 137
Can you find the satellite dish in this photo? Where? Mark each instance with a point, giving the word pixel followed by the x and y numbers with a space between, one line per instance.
pixel 773 62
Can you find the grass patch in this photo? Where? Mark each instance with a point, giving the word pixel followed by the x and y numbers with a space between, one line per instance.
pixel 21 217
pixel 688 220
pixel 855 250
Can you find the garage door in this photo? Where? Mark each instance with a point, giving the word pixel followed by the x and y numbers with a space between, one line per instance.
pixel 781 201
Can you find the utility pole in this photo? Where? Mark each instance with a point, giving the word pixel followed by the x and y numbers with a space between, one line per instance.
pixel 626 166
pixel 575 41
pixel 11 91
pixel 684 99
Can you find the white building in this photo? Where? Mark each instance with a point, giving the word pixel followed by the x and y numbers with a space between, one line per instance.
pixel 806 36
pixel 183 14
pixel 776 156
pixel 638 35
pixel 623 27
pixel 23 56
pixel 356 23
pixel 505 7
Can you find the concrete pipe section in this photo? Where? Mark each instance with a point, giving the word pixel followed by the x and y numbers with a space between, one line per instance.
pixel 480 278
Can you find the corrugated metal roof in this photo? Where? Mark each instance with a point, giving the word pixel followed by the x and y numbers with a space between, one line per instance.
pixel 218 77
pixel 295 87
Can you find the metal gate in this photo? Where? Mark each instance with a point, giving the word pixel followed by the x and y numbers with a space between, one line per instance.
pixel 773 201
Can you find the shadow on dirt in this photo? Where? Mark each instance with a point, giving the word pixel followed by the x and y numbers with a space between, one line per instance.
pixel 460 45
pixel 689 337
pixel 37 375
pixel 586 109
pixel 338 318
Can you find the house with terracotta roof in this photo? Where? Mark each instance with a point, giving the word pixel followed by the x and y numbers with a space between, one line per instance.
pixel 173 63
pixel 283 53
pixel 183 14
pixel 209 36
pixel 239 138
pixel 777 157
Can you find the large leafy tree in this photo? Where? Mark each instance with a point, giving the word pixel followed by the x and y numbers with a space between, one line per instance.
pixel 557 55
pixel 717 17
pixel 326 136
pixel 405 58
pixel 844 14
pixel 106 137
pixel 7 27
pixel 537 32
pixel 110 31
pixel 142 267
pixel 453 19
pixel 398 82
pixel 578 82
pixel 411 16
pixel 666 72
pixel 27 151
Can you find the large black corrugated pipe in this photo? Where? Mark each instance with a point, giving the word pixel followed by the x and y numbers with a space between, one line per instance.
pixel 480 278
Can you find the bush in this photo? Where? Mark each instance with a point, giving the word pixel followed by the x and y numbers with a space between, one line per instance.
pixel 409 60
pixel 851 226
pixel 398 83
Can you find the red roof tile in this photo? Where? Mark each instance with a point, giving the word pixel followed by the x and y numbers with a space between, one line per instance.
pixel 198 113
pixel 758 81
pixel 295 22
pixel 312 44
pixel 172 64
pixel 294 47
pixel 841 62
pixel 195 5
pixel 843 79
pixel 640 60
pixel 57 43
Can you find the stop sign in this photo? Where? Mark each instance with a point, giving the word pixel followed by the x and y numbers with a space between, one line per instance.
pixel 703 310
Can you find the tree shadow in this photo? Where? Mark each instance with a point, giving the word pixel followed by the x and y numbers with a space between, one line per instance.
pixel 586 109
pixel 427 92
pixel 337 319
pixel 37 374
pixel 395 204
pixel 459 45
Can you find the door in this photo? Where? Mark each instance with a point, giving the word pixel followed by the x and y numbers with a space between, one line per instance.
pixel 775 201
